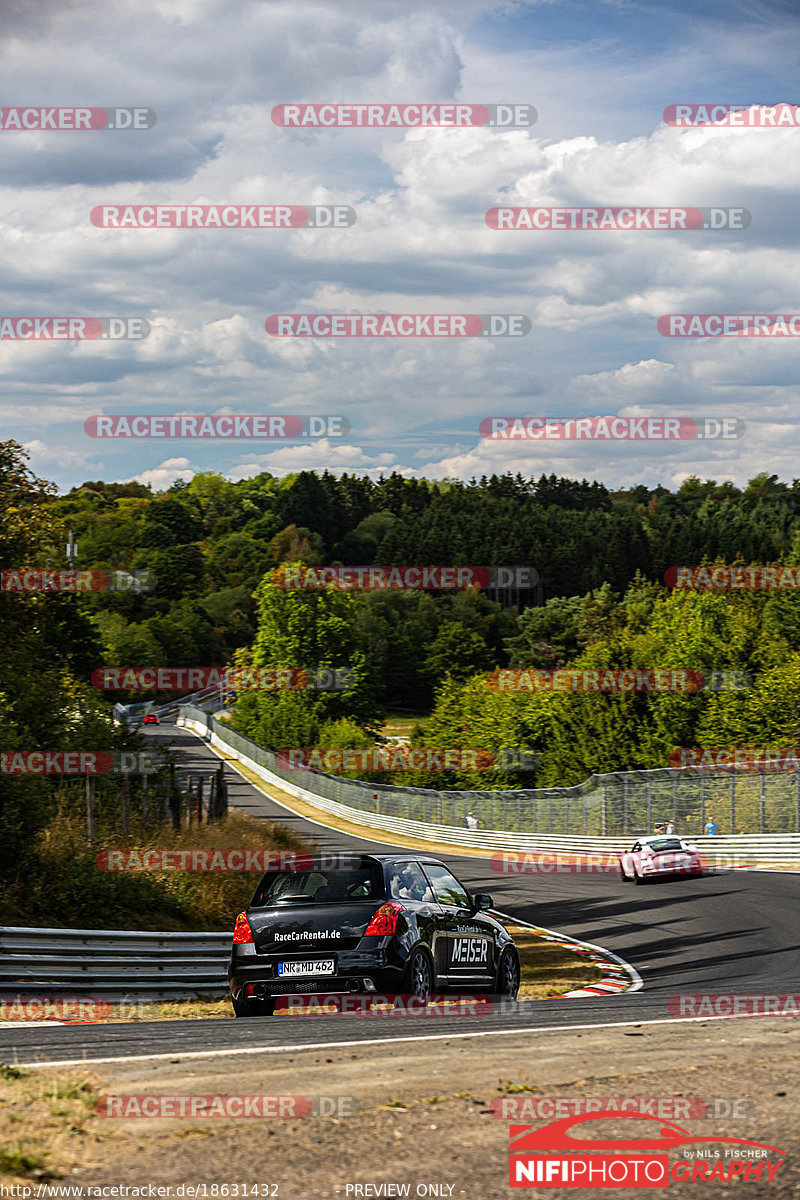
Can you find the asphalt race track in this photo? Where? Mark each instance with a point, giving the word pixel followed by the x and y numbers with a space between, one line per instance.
pixel 732 932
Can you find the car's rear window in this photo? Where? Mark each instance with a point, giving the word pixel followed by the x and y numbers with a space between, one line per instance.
pixel 667 844
pixel 321 885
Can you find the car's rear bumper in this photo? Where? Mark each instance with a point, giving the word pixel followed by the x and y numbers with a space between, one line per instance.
pixel 657 872
pixel 356 971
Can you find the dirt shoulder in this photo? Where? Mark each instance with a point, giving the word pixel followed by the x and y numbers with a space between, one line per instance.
pixel 422 1111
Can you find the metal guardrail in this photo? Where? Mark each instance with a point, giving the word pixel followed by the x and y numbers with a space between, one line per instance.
pixel 113 964
pixel 374 801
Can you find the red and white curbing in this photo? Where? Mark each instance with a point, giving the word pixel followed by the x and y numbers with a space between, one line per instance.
pixel 619 975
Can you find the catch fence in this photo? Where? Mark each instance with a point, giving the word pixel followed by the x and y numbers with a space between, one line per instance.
pixel 616 804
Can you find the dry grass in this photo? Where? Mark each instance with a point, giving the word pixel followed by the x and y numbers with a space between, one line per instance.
pixel 45 1123
pixel 549 970
pixel 86 896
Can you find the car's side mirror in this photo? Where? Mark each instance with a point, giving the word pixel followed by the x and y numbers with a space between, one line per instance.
pixel 481 901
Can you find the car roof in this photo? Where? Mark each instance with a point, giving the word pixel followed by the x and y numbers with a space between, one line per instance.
pixel 383 859
pixel 657 837
pixel 390 858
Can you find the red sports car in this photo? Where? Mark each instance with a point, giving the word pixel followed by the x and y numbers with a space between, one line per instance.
pixel 150 719
pixel 654 857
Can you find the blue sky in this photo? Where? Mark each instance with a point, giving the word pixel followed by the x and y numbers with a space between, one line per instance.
pixel 599 74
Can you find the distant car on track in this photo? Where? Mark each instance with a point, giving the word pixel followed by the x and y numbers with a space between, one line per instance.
pixel 150 719
pixel 372 923
pixel 656 857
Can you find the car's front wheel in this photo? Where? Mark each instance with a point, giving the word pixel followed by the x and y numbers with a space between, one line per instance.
pixel 253 1008
pixel 419 975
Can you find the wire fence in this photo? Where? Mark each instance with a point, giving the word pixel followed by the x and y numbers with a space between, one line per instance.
pixel 608 805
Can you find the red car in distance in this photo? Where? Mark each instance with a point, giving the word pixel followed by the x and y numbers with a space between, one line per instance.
pixel 150 719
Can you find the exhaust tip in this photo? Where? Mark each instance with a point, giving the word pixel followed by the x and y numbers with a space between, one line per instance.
pixel 354 985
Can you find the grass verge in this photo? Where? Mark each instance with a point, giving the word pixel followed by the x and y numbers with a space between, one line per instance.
pixel 44 1123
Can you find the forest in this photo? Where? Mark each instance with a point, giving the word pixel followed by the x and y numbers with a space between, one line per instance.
pixel 212 547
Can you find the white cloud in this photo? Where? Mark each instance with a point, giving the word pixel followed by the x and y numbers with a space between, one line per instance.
pixel 420 243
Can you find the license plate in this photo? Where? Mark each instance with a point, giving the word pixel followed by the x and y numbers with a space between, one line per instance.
pixel 321 966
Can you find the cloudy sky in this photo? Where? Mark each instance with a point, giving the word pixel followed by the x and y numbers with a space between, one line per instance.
pixel 600 75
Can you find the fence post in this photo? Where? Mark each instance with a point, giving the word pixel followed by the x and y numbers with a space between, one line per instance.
pixel 126 804
pixel 763 813
pixel 733 801
pixel 797 801
pixel 675 800
pixel 649 804
pixel 174 799
pixel 603 785
pixel 90 807
pixel 222 792
pixel 624 802
pixel 702 802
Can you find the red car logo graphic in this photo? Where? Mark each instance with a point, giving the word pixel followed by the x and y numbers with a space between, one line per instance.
pixel 556 1136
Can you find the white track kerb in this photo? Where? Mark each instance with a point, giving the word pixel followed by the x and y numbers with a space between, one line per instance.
pixel 619 975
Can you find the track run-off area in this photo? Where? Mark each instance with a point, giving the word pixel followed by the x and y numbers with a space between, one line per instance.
pixel 722 934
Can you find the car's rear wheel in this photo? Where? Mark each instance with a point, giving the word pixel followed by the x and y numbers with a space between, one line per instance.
pixel 508 975
pixel 419 975
pixel 253 1008
pixel 637 878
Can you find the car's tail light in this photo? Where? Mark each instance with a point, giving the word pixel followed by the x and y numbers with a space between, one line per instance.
pixel 241 930
pixel 384 920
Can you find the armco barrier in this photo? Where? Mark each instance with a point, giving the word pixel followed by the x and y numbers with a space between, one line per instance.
pixel 732 850
pixel 113 964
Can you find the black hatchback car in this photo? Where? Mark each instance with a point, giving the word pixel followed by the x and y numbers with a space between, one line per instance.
pixel 383 923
